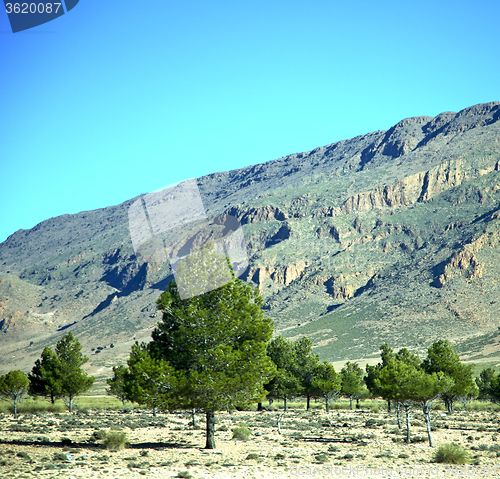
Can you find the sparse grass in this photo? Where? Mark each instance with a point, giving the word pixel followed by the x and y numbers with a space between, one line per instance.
pixel 82 403
pixel 32 406
pixel 451 453
pixel 482 406
pixel 115 440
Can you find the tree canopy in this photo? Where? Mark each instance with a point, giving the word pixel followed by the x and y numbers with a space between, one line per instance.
pixel 14 387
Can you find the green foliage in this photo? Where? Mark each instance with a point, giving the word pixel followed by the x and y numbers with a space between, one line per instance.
pixel 386 354
pixel 13 387
pixel 442 358
pixel 451 453
pixel 59 373
pixel 149 380
pixel 305 366
pixel 326 383
pixel 117 386
pixel 485 383
pixel 285 383
pixel 43 376
pixel 242 433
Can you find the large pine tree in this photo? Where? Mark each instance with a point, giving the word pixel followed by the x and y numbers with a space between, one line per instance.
pixel 211 347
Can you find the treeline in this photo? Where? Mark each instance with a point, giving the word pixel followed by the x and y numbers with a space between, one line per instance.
pixel 214 352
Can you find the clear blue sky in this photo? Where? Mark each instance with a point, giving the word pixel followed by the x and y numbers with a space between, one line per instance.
pixel 119 98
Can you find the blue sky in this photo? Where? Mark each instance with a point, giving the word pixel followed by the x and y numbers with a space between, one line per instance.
pixel 115 99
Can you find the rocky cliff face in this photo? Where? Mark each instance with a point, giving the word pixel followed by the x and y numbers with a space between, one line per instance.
pixel 390 236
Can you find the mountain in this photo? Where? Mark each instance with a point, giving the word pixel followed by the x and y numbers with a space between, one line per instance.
pixel 392 236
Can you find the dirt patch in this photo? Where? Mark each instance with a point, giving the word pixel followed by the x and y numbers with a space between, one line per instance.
pixel 71 446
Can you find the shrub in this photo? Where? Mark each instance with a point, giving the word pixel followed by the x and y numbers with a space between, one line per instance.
pixel 321 458
pixel 115 440
pixel 451 453
pixel 252 455
pixel 184 474
pixel 242 433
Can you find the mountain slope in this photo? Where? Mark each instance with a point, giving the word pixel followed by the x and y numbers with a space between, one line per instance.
pixel 390 236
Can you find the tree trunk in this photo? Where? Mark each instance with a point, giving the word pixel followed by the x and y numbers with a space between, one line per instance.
pixel 285 399
pixel 193 413
pixel 270 402
pixel 388 405
pixel 398 413
pixel 427 415
pixel 71 399
pixel 327 403
pixel 52 399
pixel 449 405
pixel 154 411
pixel 350 400
pixel 357 403
pixel 15 409
pixel 279 416
pixel 407 411
pixel 308 399
pixel 259 406
pixel 210 430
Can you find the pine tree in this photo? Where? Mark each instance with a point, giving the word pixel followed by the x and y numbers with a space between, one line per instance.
pixel 326 383
pixel 306 363
pixel 212 346
pixel 285 384
pixel 59 373
pixel 485 383
pixel 394 383
pixel 425 389
pixel 372 372
pixel 14 387
pixel 442 357
pixel 116 384
pixel 351 381
pixel 43 376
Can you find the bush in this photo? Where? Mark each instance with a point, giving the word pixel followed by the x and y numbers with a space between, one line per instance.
pixel 184 474
pixel 252 456
pixel 242 433
pixel 451 453
pixel 115 440
pixel 322 458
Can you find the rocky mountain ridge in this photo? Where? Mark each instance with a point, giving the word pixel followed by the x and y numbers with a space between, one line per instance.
pixel 393 234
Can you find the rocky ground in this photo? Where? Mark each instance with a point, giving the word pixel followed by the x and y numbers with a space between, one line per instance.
pixel 343 443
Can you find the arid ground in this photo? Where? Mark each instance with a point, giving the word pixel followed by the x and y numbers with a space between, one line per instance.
pixel 312 443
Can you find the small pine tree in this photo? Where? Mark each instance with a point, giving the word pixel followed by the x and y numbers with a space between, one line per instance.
pixel 351 377
pixel 326 383
pixel 116 384
pixel 59 373
pixel 285 384
pixel 43 376
pixel 442 358
pixel 306 363
pixel 14 387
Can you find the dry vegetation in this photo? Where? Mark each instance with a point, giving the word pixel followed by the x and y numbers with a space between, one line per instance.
pixel 57 444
